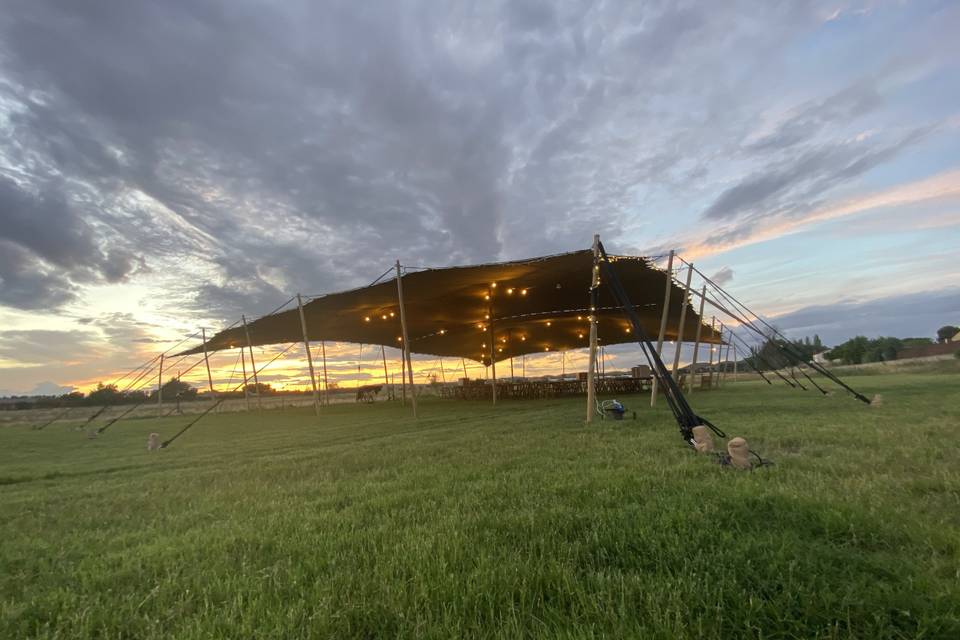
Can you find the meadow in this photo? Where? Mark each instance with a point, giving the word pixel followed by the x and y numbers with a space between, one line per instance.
pixel 494 522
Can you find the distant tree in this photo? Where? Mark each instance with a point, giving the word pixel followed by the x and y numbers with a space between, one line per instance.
pixel 946 332
pixel 916 342
pixel 816 342
pixel 104 395
pixel 174 389
pixel 262 388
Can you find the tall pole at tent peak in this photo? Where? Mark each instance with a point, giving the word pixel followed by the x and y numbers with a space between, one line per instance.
pixel 683 319
pixel 493 347
pixel 696 343
pixel 246 392
pixel 406 339
pixel 592 360
pixel 403 377
pixel 306 346
pixel 253 363
pixel 326 386
pixel 443 376
pixel 160 383
pixel 663 323
pixel 463 361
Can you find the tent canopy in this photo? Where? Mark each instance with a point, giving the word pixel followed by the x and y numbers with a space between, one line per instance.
pixel 527 306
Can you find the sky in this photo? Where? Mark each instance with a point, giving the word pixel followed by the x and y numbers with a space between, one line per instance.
pixel 166 166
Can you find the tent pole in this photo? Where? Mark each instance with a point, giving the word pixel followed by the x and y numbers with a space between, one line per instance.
pixel 403 378
pixel 663 324
pixel 726 355
pixel 511 366
pixel 696 344
pixel 463 361
pixel 734 361
pixel 493 349
pixel 592 358
pixel 406 339
pixel 683 319
pixel 253 364
pixel 713 330
pixel 206 358
pixel 386 378
pixel 160 383
pixel 246 393
pixel 306 346
pixel 326 387
pixel 443 376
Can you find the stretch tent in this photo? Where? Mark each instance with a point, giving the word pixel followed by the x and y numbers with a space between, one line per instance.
pixel 528 306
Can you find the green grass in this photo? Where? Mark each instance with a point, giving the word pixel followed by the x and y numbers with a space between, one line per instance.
pixel 514 521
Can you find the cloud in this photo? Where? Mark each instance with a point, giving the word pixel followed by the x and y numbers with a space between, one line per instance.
pixel 909 315
pixel 723 276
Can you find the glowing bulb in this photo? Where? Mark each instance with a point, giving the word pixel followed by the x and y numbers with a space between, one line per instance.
pixel 493 285
pixel 366 319
pixel 442 331
pixel 384 317
pixel 479 326
pixel 523 292
pixel 579 317
pixel 500 349
pixel 628 329
pixel 523 338
pixel 549 323
pixel 486 316
pixel 580 335
pixel 486 297
pixel 510 291
pixel 546 348
pixel 399 339
pixel 391 314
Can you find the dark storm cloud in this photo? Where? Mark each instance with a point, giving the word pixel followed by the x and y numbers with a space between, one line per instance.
pixel 903 316
pixel 240 152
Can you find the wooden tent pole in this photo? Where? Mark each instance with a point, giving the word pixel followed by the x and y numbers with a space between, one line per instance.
pixel 206 358
pixel 713 330
pixel 463 361
pixel 160 383
pixel 326 387
pixel 592 358
pixel 493 347
pixel 734 361
pixel 253 364
pixel 386 378
pixel 511 367
pixel 683 319
pixel 663 324
pixel 696 343
pixel 403 378
pixel 246 392
pixel 406 339
pixel 443 376
pixel 306 347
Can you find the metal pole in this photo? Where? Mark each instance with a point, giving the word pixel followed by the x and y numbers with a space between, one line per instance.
pixel 683 319
pixel 306 346
pixel 696 344
pixel 253 364
pixel 160 383
pixel 406 338
pixel 592 318
pixel 663 324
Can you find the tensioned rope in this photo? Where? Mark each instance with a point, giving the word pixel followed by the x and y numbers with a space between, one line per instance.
pixel 168 442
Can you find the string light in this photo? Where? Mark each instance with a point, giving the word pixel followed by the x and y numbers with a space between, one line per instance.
pixel 523 338
pixel 549 323
pixel 493 285
pixel 580 335
pixel 391 314
pixel 486 297
pixel 523 292
pixel 384 316
pixel 366 319
pixel 510 291
pixel 442 331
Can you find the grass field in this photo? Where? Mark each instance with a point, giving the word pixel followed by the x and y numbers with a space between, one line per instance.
pixel 510 522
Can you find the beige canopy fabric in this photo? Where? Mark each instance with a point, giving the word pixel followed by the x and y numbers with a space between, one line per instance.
pixel 528 306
